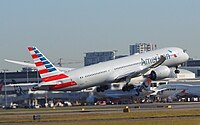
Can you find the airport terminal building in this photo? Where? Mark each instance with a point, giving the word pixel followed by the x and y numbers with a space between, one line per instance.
pixel 19 77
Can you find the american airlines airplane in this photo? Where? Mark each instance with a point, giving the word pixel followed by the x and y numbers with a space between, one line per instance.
pixel 154 65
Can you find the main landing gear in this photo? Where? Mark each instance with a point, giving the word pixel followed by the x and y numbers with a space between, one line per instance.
pixel 102 88
pixel 127 87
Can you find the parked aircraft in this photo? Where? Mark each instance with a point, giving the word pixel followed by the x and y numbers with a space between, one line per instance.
pixel 102 74
pixel 177 90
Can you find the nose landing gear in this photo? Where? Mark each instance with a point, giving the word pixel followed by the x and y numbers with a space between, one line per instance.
pixel 177 71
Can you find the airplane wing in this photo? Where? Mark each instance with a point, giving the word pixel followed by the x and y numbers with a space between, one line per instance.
pixel 33 65
pixel 127 77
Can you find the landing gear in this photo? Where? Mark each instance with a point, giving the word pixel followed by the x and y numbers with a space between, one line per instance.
pixel 99 89
pixel 127 87
pixel 102 88
pixel 177 71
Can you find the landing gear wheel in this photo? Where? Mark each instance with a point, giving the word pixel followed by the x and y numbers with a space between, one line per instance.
pixel 98 89
pixel 124 88
pixel 177 71
pixel 102 88
pixel 131 86
pixel 127 87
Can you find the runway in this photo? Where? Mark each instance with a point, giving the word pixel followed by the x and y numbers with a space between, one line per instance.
pixel 98 114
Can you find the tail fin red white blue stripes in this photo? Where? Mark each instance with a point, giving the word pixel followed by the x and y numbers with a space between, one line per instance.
pixel 43 65
pixel 47 71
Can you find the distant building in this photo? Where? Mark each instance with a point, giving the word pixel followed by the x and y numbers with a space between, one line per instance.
pixel 193 66
pixel 142 47
pixel 192 63
pixel 97 57
pixel 19 77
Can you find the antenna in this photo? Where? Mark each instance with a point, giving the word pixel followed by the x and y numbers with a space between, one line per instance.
pixel 60 63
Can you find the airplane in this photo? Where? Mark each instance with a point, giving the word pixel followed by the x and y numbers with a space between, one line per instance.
pixel 174 91
pixel 154 65
pixel 138 92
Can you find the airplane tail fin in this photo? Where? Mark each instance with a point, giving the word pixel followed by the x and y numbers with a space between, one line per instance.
pixel 47 71
pixel 146 84
pixel 144 87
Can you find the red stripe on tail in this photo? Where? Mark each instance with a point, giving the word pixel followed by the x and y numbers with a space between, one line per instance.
pixel 39 63
pixel 30 48
pixel 43 71
pixel 34 56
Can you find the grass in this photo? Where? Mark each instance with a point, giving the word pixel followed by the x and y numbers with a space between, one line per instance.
pixel 63 116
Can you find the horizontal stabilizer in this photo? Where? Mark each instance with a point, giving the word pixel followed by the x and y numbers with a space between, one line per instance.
pixel 22 84
pixel 21 63
pixel 33 65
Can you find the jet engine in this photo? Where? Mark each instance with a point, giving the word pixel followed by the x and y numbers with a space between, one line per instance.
pixel 159 73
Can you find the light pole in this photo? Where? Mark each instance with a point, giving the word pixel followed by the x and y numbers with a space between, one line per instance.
pixel 27 74
pixel 5 89
pixel 114 51
pixel 27 80
pixel 37 76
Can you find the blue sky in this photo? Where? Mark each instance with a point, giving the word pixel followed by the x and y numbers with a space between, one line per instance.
pixel 69 28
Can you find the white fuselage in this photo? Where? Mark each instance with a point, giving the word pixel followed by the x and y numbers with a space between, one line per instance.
pixel 107 72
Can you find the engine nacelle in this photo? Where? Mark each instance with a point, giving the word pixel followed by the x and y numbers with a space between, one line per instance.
pixel 159 73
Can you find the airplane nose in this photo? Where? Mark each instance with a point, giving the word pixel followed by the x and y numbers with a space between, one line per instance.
pixel 186 56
